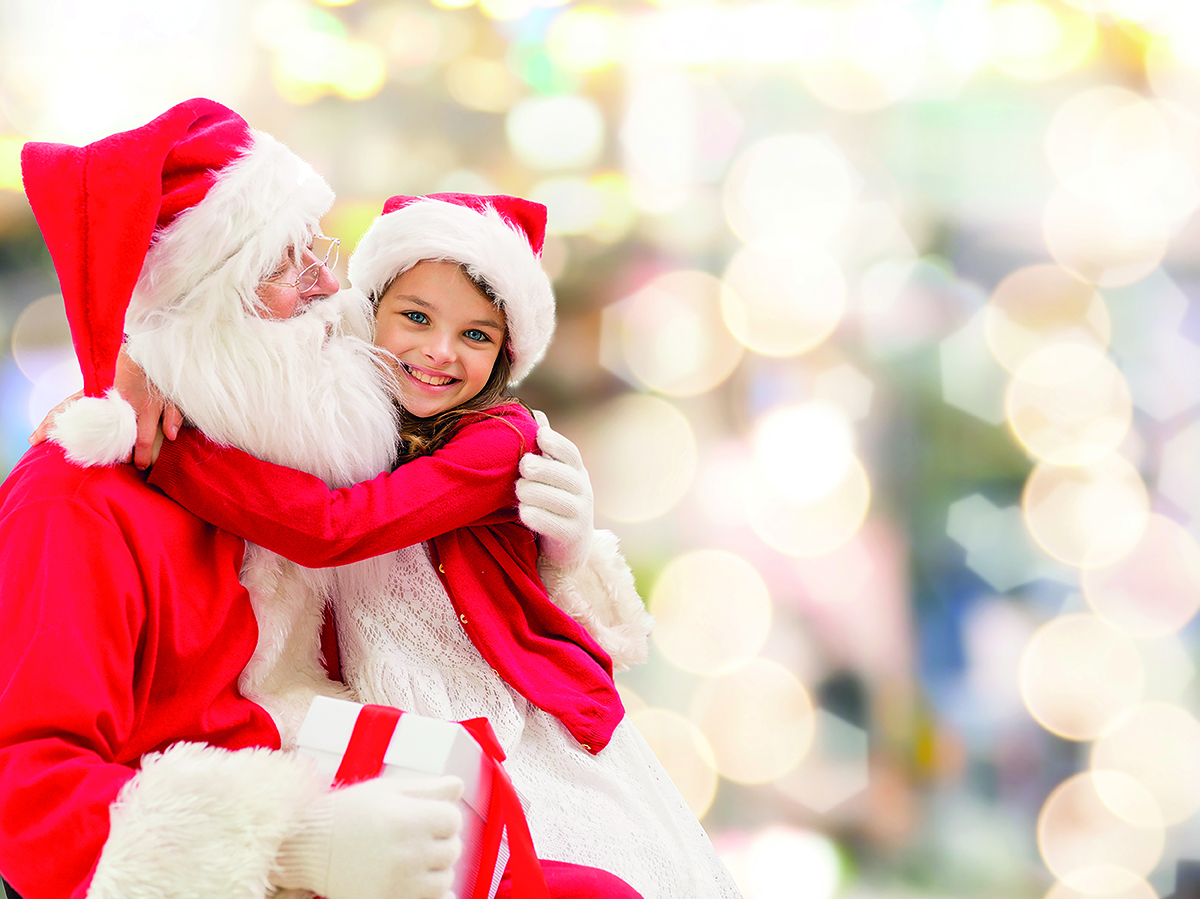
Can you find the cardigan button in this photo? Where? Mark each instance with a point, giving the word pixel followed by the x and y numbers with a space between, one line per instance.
pixel 586 747
pixel 441 569
pixel 462 618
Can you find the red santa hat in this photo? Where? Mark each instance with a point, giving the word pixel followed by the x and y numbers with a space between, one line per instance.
pixel 497 238
pixel 182 216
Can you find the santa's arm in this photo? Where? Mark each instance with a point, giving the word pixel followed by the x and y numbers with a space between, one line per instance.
pixel 79 815
pixel 582 568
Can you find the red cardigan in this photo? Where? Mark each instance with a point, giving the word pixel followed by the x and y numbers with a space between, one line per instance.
pixel 462 501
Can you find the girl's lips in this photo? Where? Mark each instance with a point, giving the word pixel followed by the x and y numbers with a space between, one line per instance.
pixel 427 378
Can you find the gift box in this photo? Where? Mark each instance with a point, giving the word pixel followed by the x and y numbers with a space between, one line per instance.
pixel 411 747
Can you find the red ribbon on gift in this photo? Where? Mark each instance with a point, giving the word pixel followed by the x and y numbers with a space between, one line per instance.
pixel 363 760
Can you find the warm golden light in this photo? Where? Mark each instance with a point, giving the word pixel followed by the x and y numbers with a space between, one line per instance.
pixel 1092 845
pixel 712 611
pixel 586 38
pixel 1033 41
pixel 785 301
pixel 673 336
pixel 1078 674
pixel 1154 589
pixel 685 754
pixel 1126 886
pixel 560 132
pixel 804 451
pixel 1106 243
pixel 1157 745
pixel 1086 515
pixel 630 482
pixel 805 529
pixel 1069 404
pixel 1042 304
pixel 758 720
pixel 790 186
pixel 483 84
pixel 877 56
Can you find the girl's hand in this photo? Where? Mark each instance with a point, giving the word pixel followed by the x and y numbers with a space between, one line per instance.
pixel 555 497
pixel 156 417
pixel 40 434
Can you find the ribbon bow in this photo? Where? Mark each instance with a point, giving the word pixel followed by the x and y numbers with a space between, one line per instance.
pixel 363 760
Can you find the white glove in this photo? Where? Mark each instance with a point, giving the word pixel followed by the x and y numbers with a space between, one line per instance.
pixel 556 499
pixel 379 839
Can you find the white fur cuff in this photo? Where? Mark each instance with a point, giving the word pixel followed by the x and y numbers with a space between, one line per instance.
pixel 199 821
pixel 96 430
pixel 603 598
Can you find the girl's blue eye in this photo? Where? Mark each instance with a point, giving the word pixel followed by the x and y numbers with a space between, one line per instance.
pixel 419 318
pixel 476 335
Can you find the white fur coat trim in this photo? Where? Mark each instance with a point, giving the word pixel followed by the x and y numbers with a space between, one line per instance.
pixel 604 599
pixel 486 244
pixel 262 203
pixel 96 430
pixel 203 822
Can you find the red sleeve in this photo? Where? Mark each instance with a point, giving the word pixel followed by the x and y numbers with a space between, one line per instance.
pixel 67 707
pixel 298 516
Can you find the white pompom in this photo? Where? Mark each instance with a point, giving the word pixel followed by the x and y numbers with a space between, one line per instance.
pixel 96 430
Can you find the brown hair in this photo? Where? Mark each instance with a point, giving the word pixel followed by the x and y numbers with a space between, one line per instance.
pixel 424 436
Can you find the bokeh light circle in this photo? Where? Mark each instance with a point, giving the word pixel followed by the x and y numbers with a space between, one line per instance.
pixel 1086 515
pixel 795 185
pixel 712 611
pixel 1033 41
pixel 805 530
pixel 1119 148
pixel 776 855
pixel 557 132
pixel 1071 137
pixel 1097 828
pixel 586 38
pixel 673 335
pixel 1041 304
pixel 1106 244
pixel 1157 745
pixel 876 57
pixel 1069 404
pixel 641 454
pixel 1120 885
pixel 683 752
pixel 1154 589
pixel 804 451
pixel 758 719
pixel 1078 674
pixel 783 302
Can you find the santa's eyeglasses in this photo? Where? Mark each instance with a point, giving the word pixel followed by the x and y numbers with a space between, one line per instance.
pixel 326 251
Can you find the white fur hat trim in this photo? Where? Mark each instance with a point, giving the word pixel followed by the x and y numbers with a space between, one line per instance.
pixel 486 244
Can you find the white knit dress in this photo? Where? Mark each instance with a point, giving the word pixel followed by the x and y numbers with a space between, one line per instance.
pixel 402 645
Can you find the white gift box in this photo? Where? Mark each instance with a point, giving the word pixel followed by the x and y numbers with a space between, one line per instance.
pixel 419 748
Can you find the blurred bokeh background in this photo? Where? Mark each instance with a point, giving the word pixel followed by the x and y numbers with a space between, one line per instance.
pixel 875 329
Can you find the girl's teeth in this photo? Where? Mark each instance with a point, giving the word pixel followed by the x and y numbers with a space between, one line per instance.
pixel 432 380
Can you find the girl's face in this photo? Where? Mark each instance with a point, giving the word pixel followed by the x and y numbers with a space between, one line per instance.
pixel 444 333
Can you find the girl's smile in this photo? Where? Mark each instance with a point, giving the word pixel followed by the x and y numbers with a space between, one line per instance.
pixel 444 333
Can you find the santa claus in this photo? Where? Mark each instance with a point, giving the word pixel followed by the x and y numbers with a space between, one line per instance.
pixel 162 666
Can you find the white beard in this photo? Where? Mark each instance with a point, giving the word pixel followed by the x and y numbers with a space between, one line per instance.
pixel 308 392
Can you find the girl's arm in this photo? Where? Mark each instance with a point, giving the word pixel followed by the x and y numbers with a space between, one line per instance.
pixel 298 516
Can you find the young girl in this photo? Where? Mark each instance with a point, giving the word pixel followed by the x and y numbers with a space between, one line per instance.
pixel 459 624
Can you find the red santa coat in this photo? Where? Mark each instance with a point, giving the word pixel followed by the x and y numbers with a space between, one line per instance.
pixel 461 500
pixel 125 630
